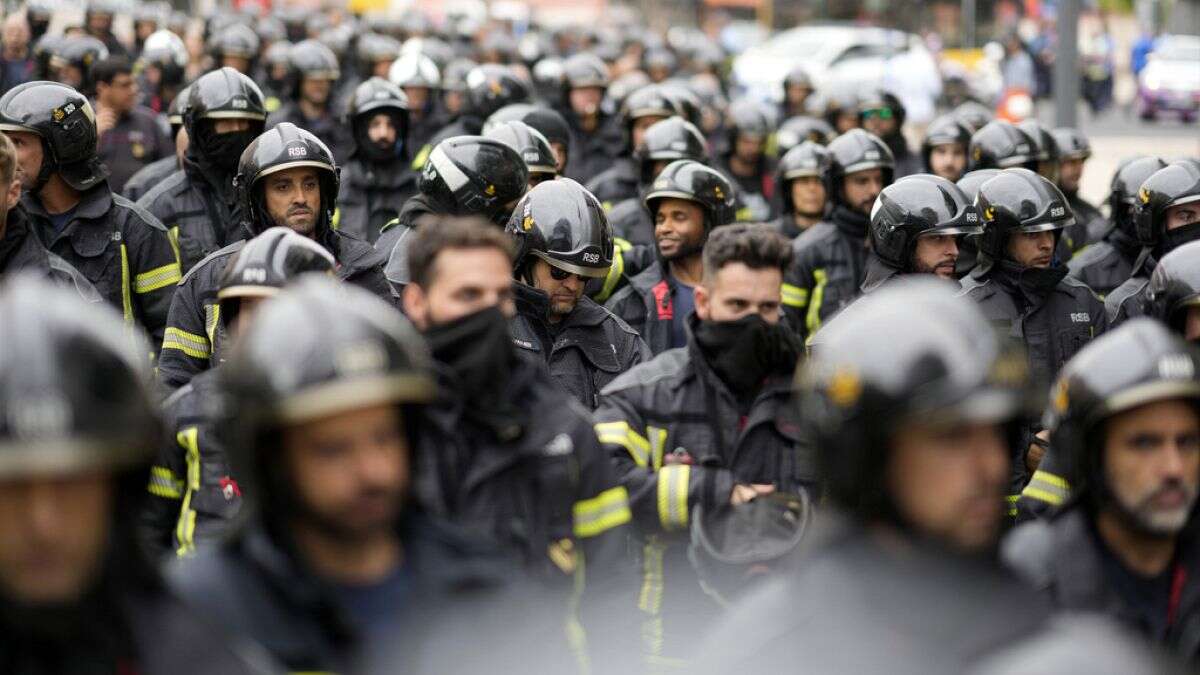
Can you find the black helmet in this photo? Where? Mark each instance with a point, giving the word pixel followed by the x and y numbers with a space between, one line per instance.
pixel 648 101
pixel 798 76
pixel 549 122
pixel 563 224
pixel 237 40
pixel 455 77
pixel 973 114
pixel 473 175
pixel 687 104
pixel 1139 362
pixel 1072 144
pixel 64 120
pixel 267 263
pixel 221 94
pixel 1123 191
pixel 490 87
pixel 585 70
pixel 878 100
pixel 659 57
pixel 1001 145
pixel 1175 286
pixel 270 30
pixel 1178 183
pixel 945 130
pixel 377 96
pixel 176 109
pixel 748 118
pixel 549 79
pixel 864 380
pixel 1046 148
pixel 373 48
pixel 972 180
pixel 284 146
pixel 43 53
pixel 345 349
pixel 624 85
pixel 530 144
pixel 1019 200
pixel 854 151
pixel 415 70
pixel 914 206
pixel 312 59
pixel 691 180
pixel 671 139
pixel 82 52
pixel 806 159
pixel 75 385
pixel 796 130
pixel 165 50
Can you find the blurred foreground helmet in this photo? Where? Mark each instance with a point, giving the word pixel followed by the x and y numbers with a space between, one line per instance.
pixel 865 380
pixel 74 385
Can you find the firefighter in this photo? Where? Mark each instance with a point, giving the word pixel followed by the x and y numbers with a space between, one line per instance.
pixel 314 72
pixel 831 258
pixel 287 177
pixel 563 240
pixel 1126 420
pixel 123 251
pixel 802 179
pixel 76 592
pixel 194 496
pixel 689 201
pixel 696 427
pixel 944 150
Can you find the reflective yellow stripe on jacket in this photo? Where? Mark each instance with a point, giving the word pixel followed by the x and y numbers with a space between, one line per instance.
pixel 185 529
pixel 620 433
pixel 812 321
pixel 601 513
pixel 159 277
pixel 164 483
pixel 195 346
pixel 672 496
pixel 1047 487
pixel 794 296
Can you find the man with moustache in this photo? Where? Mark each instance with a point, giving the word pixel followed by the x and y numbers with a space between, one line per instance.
pixel 1126 417
pixel 688 201
pixel 563 240
pixel 830 259
pixel 287 177
pixel 915 228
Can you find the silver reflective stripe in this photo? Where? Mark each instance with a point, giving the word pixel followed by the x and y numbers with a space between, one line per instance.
pixel 448 170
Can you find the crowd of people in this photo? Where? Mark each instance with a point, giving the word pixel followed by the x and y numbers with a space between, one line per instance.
pixel 364 344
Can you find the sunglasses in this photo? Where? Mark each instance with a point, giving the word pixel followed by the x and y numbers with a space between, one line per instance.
pixel 881 113
pixel 561 275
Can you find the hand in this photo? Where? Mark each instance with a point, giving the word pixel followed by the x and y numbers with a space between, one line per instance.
pixel 743 493
pixel 106 119
pixel 1033 457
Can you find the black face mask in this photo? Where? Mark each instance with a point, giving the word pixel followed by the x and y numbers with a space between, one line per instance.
pixel 224 150
pixel 479 350
pixel 745 352
pixel 1173 239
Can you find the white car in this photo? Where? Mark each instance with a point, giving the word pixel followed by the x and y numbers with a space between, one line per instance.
pixel 1170 82
pixel 848 55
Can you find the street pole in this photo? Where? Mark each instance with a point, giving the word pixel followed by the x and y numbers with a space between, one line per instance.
pixel 1066 64
pixel 968 24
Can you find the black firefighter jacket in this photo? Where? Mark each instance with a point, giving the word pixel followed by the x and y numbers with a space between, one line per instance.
pixel 861 603
pixel 193 334
pixel 827 270
pixel 193 494
pixel 198 210
pixel 256 586
pixel 588 349
pixel 1053 325
pixel 647 304
pixel 616 183
pixel 121 249
pixel 590 153
pixel 1107 264
pixel 371 195
pixel 679 440
pixel 541 485
pixel 1126 301
pixel 22 252
pixel 1061 557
